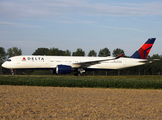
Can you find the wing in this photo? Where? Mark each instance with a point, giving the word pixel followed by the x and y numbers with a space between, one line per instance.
pixel 89 63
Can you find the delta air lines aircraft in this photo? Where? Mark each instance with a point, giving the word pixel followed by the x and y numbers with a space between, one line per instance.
pixel 67 64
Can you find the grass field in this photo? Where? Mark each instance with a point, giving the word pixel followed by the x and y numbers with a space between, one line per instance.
pixel 64 103
pixel 135 82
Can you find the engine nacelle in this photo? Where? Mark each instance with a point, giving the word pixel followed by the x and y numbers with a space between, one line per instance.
pixel 63 69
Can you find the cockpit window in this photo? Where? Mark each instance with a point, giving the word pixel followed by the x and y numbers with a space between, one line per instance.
pixel 9 60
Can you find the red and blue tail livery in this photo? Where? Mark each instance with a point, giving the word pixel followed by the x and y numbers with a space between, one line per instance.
pixel 144 50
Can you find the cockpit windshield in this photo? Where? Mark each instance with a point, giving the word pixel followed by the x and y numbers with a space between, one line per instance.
pixel 9 60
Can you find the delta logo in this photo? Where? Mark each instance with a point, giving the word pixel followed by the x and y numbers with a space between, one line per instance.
pixel 33 58
pixel 23 59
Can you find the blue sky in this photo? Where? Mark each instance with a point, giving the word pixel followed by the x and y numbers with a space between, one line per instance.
pixel 86 24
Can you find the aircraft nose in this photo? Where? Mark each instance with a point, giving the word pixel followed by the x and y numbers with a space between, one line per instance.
pixel 4 65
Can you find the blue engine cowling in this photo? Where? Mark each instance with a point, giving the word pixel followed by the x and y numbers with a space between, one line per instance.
pixel 63 69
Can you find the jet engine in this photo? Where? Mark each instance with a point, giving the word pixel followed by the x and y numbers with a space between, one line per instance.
pixel 63 69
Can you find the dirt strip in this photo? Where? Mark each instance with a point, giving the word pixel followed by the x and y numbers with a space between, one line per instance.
pixel 24 102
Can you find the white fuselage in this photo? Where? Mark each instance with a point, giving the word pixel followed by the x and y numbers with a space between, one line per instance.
pixel 50 62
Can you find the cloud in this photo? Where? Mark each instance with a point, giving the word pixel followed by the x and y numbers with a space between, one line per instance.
pixel 18 24
pixel 129 9
pixel 21 9
pixel 51 9
pixel 117 28
pixel 146 21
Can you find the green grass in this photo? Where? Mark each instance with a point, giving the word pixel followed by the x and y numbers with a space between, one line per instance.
pixel 135 82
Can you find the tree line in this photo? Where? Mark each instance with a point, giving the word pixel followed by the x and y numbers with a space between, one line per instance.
pixel 79 52
pixel 148 69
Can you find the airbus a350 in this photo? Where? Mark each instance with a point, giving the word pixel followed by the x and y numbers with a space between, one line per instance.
pixel 67 64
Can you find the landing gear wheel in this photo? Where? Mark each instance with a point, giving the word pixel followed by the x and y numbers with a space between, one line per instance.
pixel 79 74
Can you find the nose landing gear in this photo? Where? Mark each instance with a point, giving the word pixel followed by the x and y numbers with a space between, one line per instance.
pixel 12 72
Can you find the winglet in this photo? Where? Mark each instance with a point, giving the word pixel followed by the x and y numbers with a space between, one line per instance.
pixel 119 56
pixel 144 50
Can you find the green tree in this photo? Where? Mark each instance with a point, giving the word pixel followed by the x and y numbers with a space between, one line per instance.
pixel 57 52
pixel 3 56
pixel 79 52
pixel 92 53
pixel 117 52
pixel 104 52
pixel 14 51
pixel 41 51
pixel 156 66
pixel 54 51
pixel 155 56
pixel 67 53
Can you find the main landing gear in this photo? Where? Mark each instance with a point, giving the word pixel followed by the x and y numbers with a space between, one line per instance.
pixel 80 72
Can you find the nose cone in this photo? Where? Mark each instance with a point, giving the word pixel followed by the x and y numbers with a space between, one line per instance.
pixel 4 65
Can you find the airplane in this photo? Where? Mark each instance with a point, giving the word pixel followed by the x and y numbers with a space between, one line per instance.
pixel 67 64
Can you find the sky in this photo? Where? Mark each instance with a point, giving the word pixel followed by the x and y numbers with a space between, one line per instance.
pixel 85 24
